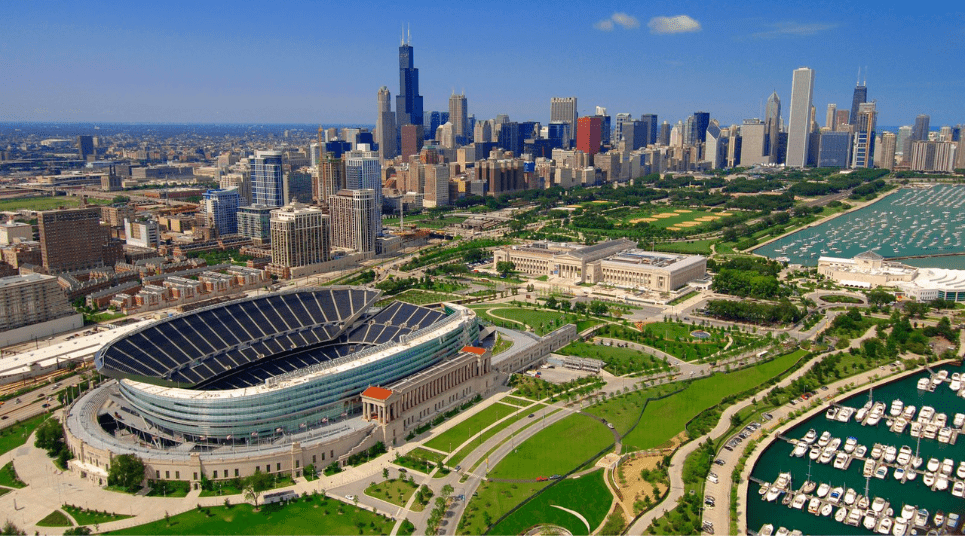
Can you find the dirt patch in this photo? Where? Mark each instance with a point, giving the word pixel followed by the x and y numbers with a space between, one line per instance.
pixel 633 487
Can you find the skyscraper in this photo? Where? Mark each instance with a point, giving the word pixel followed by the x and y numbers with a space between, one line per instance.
pixel 860 97
pixel 829 119
pixel 652 129
pixel 618 126
pixel 635 134
pixel 85 146
pixel 412 139
pixel 799 125
pixel 605 126
pixel 329 179
pixel 386 134
pixel 355 221
pixel 408 103
pixel 699 133
pixel 364 171
pixel 267 179
pixel 862 155
pixel 563 109
pixel 430 122
pixel 71 239
pixel 299 236
pixel 888 145
pixel 459 117
pixel 772 120
pixel 714 147
pixel 664 137
pixel 221 210
pixel 920 130
pixel 903 143
pixel 589 131
pixel 753 136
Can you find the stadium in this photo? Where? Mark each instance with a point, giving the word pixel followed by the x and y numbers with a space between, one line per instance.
pixel 275 382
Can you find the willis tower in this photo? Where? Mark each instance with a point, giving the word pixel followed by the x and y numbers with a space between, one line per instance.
pixel 408 102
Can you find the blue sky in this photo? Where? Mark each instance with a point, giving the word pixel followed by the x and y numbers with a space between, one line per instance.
pixel 324 61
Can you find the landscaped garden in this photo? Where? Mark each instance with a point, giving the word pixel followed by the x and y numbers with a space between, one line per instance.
pixel 619 361
pixel 587 495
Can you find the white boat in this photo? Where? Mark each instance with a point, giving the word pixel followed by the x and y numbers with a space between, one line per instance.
pixel 766 530
pixel 947 467
pixel 899 473
pixel 808 486
pixel 835 443
pixel 896 407
pixel 826 510
pixel 889 455
pixel 955 385
pixel 844 414
pixel 930 431
pixel 869 468
pixel 899 425
pixel 869 521
pixel 907 512
pixel 939 519
pixel 854 517
pixel 940 420
pixel 850 444
pixel 800 450
pixel 926 414
pixel 850 496
pixel 929 479
pixel 772 493
pixel 881 472
pixel 860 451
pixel 876 451
pixel 900 527
pixel 810 436
pixel 941 482
pixel 945 435
pixel 861 414
pixel 863 502
pixel 917 461
pixel 904 455
pixel 916 429
pixel 878 504
pixel 933 465
pixel 840 514
pixel 841 460
pixel 799 501
pixel 958 422
pixel 923 384
pixel 823 490
pixel 953 519
pixel 960 472
pixel 814 505
pixel 782 532
pixel 921 518
pixel 909 412
pixel 910 474
pixel 831 413
pixel 815 452
pixel 826 455
pixel 958 489
pixel 942 375
pixel 884 526
pixel 824 439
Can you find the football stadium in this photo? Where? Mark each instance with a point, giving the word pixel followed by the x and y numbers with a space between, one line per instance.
pixel 274 383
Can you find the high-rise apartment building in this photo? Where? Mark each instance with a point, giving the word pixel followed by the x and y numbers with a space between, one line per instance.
pixel 364 171
pixel 385 131
pixel 799 125
pixel 254 222
pixel 221 210
pixel 71 239
pixel 589 131
pixel 933 155
pixel 412 140
pixel 408 103
pixel 436 185
pixel 459 117
pixel 28 300
pixel 355 223
pixel 920 131
pixel 144 234
pixel 772 120
pixel 903 143
pixel 889 143
pixel 238 181
pixel 563 109
pixel 267 179
pixel 862 153
pixel 299 236
pixel 329 178
pixel 830 120
pixel 620 119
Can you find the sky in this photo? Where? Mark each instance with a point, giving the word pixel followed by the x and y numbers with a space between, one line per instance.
pixel 323 62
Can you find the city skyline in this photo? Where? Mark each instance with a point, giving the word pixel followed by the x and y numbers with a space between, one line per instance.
pixel 66 65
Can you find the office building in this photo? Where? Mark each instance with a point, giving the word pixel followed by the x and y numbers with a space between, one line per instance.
pixel 698 131
pixel 589 132
pixel 85 147
pixel 862 153
pixel 933 156
pixel 830 120
pixel 436 185
pixel 920 131
pixel 618 126
pixel 715 146
pixel 299 186
pixel 430 123
pixel 254 222
pixel 834 149
pixel 635 134
pixel 72 239
pixel 408 103
pixel 501 175
pixel 385 131
pixel 299 236
pixel 483 132
pixel 903 143
pixel 605 127
pixel 753 140
pixel 412 140
pixel 651 127
pixel 772 120
pixel 563 109
pixel 459 117
pixel 558 133
pixel 364 171
pixel 860 97
pixel 889 143
pixel 267 179
pixel 144 234
pixel 34 306
pixel 355 221
pixel 799 125
pixel 664 136
pixel 510 138
pixel 221 210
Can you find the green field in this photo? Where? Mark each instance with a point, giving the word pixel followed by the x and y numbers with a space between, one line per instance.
pixel 663 223
pixel 622 411
pixel 307 516
pixel 55 519
pixel 587 495
pixel 494 500
pixel 540 322
pixel 420 297
pixel 676 340
pixel 8 477
pixel 619 361
pixel 393 491
pixel 16 435
pixel 46 203
pixel 697 247
pixel 544 454
pixel 663 419
pixel 457 458
pixel 458 434
pixel 90 517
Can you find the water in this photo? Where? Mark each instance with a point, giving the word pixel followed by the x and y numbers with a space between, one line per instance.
pixel 776 459
pixel 911 221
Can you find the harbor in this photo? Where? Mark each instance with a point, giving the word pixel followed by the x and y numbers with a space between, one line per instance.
pixel 887 460
pixel 923 225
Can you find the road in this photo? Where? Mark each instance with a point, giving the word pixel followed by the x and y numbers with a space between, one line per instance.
pixel 31 404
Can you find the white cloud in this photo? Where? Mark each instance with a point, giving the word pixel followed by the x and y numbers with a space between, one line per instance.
pixel 673 25
pixel 627 22
pixel 793 29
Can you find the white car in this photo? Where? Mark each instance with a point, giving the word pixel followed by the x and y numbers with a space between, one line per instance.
pixel 713 479
pixel 350 497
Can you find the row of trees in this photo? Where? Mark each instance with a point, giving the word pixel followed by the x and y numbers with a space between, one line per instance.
pixel 783 312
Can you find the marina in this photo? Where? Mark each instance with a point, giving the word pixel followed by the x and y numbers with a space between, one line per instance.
pixel 912 222
pixel 869 472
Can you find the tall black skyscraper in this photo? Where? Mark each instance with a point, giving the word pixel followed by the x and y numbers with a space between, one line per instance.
pixel 701 120
pixel 651 127
pixel 408 102
pixel 860 97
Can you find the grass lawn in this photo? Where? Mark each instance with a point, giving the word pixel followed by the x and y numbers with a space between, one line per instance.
pixel 16 435
pixel 223 487
pixel 669 218
pixel 697 247
pixel 457 435
pixel 307 516
pixel 684 298
pixel 8 477
pixel 420 297
pixel 619 361
pixel 393 491
pixel 515 401
pixel 494 500
pixel 55 519
pixel 107 316
pixel 557 449
pixel 540 322
pixel 491 432
pixel 46 203
pixel 502 344
pixel 91 517
pixel 676 340
pixel 663 419
pixel 4 491
pixel 587 495
pixel 417 459
pixel 622 411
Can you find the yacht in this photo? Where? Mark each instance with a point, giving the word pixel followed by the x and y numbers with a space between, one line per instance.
pixel 826 455
pixel 941 482
pixel 841 460
pixel 815 452
pixel 940 420
pixel 863 502
pixel 958 422
pixel 823 489
pixel 945 435
pixel 878 504
pixel 958 489
pixel 899 473
pixel 904 455
pixel 861 413
pixel 884 526
pixel 835 495
pixel 869 521
pixel 869 468
pixel 831 413
pixel 900 527
pixel 942 375
pixel 909 412
pixel 953 521
pixel 917 461
pixel 899 425
pixel 955 385
pixel 960 472
pixel 910 474
pixel 933 465
pixel 810 436
pixel 850 444
pixel 766 530
pixel 840 514
pixel 800 449
pixel 916 429
pixel 850 496
pixel 921 518
pixel 782 532
pixel 826 510
pixel 930 431
pixel 824 439
pixel 876 451
pixel 881 471
pixel 799 500
pixel 923 384
pixel 926 414
pixel 896 407
pixel 860 451
pixel 907 512
pixel 929 479
pixel 854 517
pixel 814 505
pixel 835 443
pixel 939 519
pixel 844 414
pixel 889 455
pixel 808 486
pixel 947 466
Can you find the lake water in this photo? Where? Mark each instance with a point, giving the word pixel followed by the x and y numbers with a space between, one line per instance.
pixel 911 221
pixel 776 459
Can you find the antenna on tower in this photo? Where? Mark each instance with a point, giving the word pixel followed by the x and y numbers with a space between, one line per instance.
pixel 409 35
pixel 858 81
pixel 402 37
pixel 865 75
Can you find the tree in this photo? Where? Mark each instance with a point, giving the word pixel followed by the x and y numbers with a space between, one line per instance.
pixel 127 471
pixel 505 267
pixel 385 473
pixel 255 484
pixel 10 528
